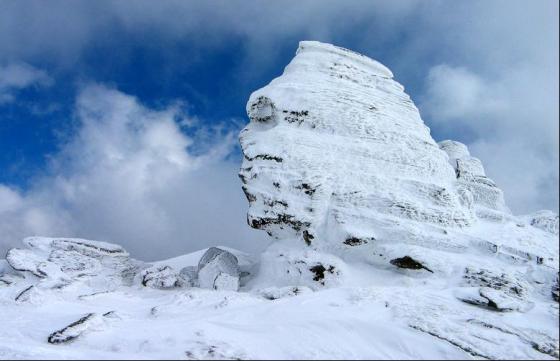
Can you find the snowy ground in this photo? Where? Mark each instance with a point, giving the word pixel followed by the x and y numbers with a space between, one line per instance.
pixel 391 319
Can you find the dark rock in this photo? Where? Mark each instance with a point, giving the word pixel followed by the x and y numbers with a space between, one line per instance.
pixel 24 295
pixel 72 331
pixel 409 263
pixel 556 290
pixel 319 272
pixel 354 241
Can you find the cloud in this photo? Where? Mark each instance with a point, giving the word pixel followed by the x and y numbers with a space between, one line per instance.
pixel 130 176
pixel 457 94
pixel 18 76
pixel 482 72
pixel 502 99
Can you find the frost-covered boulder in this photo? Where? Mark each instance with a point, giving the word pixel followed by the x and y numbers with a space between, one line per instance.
pixel 59 262
pixel 218 269
pixel 162 277
pixel 189 276
pixel 471 177
pixel 545 220
pixel 499 291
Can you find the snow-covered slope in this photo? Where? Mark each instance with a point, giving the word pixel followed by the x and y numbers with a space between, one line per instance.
pixel 388 245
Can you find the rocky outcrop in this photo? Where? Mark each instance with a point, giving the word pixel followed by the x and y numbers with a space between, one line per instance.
pixel 340 170
pixel 77 328
pixel 162 277
pixel 474 186
pixel 545 220
pixel 219 270
pixel 319 137
pixel 59 262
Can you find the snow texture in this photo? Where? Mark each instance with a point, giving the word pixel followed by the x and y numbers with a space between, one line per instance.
pixel 386 245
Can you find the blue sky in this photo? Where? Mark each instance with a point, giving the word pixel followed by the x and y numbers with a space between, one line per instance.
pixel 481 72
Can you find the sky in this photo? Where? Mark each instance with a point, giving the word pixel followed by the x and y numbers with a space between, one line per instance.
pixel 119 120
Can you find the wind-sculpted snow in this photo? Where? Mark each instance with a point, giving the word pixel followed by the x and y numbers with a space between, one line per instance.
pixel 386 245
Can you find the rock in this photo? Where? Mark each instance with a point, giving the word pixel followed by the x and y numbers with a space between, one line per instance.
pixel 189 276
pixel 25 260
pixel 162 277
pixel 283 267
pixel 218 269
pixel 340 170
pixel 26 294
pixel 472 178
pixel 545 220
pixel 58 262
pixel 496 290
pixel 79 327
pixel 409 263
pixel 556 289
pixel 318 136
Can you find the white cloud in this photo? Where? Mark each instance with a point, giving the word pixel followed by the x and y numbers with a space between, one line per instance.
pixel 128 177
pixel 509 117
pixel 456 94
pixel 17 76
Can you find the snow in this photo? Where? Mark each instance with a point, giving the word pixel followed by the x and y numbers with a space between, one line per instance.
pixel 382 314
pixel 388 245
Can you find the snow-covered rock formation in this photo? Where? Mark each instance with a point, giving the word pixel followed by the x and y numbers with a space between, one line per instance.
pixel 339 165
pixel 472 182
pixel 336 154
pixel 387 245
